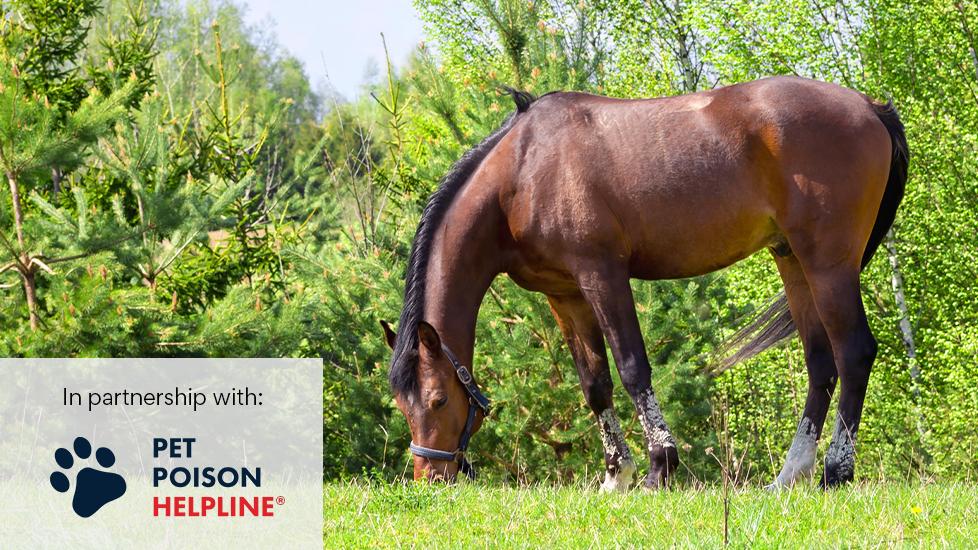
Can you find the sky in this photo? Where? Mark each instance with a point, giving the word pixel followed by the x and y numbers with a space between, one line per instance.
pixel 340 38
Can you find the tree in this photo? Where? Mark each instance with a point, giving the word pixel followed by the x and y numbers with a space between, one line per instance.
pixel 36 136
pixel 53 35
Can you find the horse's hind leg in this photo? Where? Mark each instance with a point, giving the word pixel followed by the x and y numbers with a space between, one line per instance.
pixel 800 461
pixel 840 306
pixel 831 266
pixel 583 335
pixel 608 291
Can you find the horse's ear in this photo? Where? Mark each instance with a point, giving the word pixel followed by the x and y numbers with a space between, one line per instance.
pixel 428 337
pixel 389 333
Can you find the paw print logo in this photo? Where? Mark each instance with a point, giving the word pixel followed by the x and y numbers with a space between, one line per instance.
pixel 93 488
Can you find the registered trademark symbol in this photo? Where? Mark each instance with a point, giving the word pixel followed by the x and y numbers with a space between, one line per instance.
pixel 280 500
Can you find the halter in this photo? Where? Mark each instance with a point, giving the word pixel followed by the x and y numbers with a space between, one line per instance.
pixel 477 401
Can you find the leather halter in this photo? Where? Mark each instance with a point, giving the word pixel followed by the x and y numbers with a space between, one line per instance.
pixel 477 401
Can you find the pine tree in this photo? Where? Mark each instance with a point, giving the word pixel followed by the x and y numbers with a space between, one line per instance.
pixel 38 136
pixel 168 209
pixel 54 34
pixel 228 142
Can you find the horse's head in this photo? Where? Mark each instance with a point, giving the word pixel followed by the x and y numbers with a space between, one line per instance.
pixel 443 409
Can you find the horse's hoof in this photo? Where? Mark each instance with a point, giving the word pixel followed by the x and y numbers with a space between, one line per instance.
pixel 831 481
pixel 664 461
pixel 621 481
pixel 837 474
pixel 655 482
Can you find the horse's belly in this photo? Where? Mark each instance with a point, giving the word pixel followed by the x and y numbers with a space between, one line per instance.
pixel 689 240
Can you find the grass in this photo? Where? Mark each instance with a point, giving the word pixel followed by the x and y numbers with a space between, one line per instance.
pixel 362 514
pixel 33 516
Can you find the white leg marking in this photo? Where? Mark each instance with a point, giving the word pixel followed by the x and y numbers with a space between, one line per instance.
pixel 620 481
pixel 800 462
pixel 616 453
pixel 650 415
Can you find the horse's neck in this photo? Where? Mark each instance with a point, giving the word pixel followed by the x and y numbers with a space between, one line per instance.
pixel 466 257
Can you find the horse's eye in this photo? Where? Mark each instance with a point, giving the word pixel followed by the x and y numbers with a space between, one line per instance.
pixel 438 402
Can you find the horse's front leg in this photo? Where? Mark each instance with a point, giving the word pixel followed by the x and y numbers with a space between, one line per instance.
pixel 610 295
pixel 583 336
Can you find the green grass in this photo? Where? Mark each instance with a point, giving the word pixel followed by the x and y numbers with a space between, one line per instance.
pixel 360 514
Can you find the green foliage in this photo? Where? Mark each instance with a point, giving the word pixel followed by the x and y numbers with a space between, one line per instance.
pixel 91 309
pixel 34 134
pixel 177 188
pixel 50 36
pixel 127 53
pixel 185 201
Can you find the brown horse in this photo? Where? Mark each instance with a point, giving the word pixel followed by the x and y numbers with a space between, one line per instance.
pixel 575 194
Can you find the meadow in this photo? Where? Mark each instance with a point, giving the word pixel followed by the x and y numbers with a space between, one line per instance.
pixel 470 515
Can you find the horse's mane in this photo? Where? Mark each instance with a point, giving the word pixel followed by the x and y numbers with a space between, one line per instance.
pixel 403 377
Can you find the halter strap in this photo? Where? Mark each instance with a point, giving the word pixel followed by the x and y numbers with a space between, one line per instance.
pixel 465 377
pixel 477 401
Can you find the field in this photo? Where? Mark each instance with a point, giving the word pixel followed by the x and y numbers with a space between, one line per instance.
pixel 361 514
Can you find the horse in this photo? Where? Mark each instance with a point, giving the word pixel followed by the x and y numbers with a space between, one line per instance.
pixel 575 194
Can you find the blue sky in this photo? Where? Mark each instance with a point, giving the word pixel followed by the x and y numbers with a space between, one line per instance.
pixel 340 38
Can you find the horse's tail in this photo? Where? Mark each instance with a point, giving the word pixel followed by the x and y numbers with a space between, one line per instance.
pixel 774 324
pixel 766 329
pixel 895 184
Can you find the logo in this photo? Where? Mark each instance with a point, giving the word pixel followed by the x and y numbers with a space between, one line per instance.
pixel 93 488
pixel 208 478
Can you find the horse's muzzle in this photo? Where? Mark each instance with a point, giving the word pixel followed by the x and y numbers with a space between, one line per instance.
pixel 435 471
